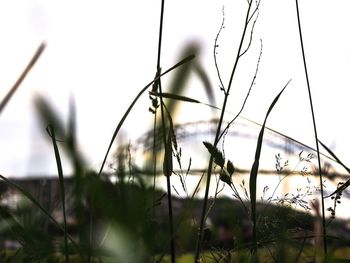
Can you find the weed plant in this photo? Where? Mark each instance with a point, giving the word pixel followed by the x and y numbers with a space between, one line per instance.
pixel 119 216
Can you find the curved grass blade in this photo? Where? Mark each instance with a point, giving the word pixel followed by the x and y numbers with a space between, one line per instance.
pixel 203 76
pixel 50 130
pixel 49 116
pixel 347 183
pixel 19 81
pixel 255 168
pixel 185 60
pixel 334 156
pixel 178 82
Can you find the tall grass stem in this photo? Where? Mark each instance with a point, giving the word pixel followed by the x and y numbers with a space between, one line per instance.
pixel 166 156
pixel 315 132
pixel 216 140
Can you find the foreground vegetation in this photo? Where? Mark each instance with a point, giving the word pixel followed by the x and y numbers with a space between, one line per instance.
pixel 129 219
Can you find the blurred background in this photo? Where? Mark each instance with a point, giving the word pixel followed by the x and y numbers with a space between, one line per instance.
pixel 101 53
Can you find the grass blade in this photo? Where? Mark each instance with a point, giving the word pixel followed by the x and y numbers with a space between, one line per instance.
pixel 15 227
pixel 334 156
pixel 347 183
pixel 116 131
pixel 49 116
pixel 19 81
pixel 254 171
pixel 175 97
pixel 31 198
pixel 181 77
pixel 40 207
pixel 315 131
pixel 203 76
pixel 51 133
pixel 166 163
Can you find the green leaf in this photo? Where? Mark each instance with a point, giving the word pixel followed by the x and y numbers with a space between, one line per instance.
pixel 215 153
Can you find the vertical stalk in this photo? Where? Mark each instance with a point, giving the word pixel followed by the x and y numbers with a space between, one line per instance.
pixel 217 136
pixel 315 132
pixel 154 169
pixel 154 155
pixel 166 161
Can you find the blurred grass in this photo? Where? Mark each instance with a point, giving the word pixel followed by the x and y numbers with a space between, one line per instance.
pixel 125 221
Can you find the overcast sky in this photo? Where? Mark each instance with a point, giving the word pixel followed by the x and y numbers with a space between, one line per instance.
pixel 104 52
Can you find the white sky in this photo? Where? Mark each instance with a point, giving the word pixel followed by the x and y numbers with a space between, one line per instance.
pixel 104 52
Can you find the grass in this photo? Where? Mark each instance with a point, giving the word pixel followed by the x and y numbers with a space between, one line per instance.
pixel 125 221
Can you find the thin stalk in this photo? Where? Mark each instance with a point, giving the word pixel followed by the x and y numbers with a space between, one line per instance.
pixel 166 157
pixel 154 155
pixel 216 140
pixel 154 167
pixel 239 55
pixel 160 34
pixel 247 95
pixel 19 81
pixel 315 132
pixel 167 168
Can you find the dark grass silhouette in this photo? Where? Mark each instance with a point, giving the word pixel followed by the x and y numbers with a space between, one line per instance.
pixel 132 221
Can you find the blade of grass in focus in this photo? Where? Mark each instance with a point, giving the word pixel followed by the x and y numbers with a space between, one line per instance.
pixel 254 173
pixel 324 230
